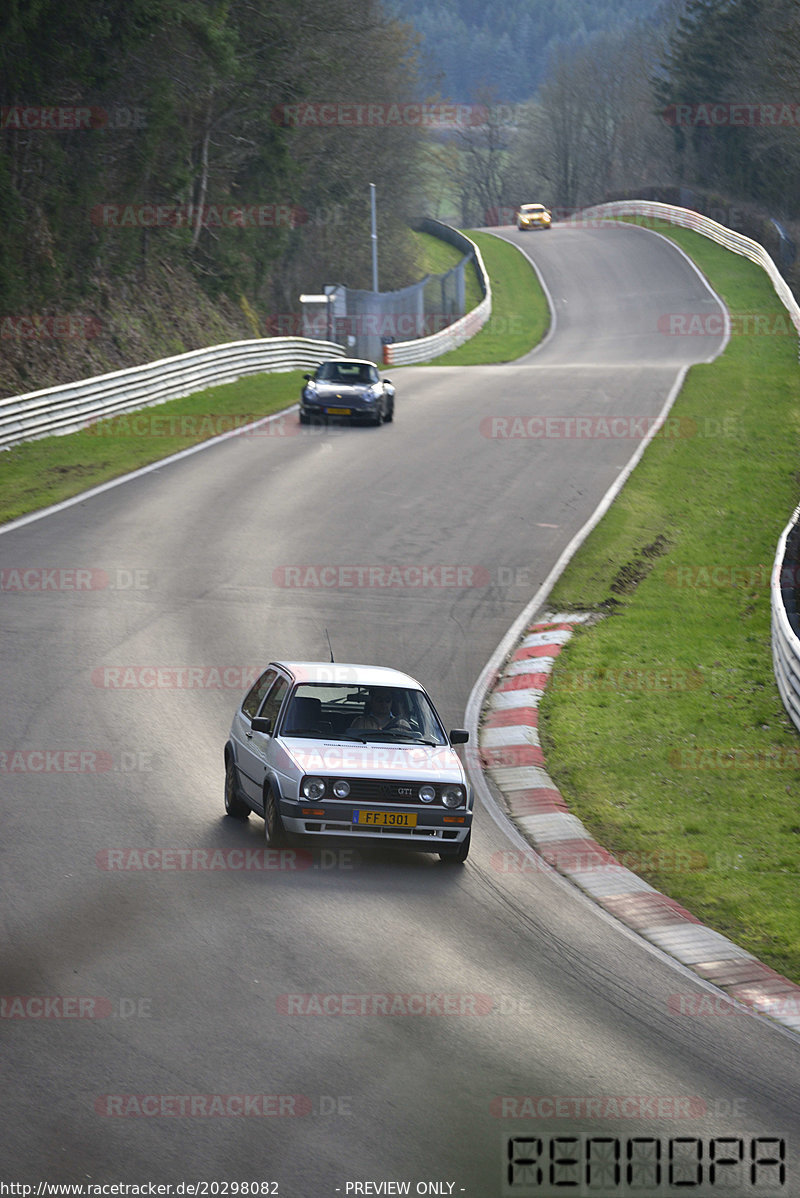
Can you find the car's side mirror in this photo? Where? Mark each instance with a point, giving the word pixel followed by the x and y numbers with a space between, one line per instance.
pixel 389 381
pixel 306 376
pixel 459 736
pixel 261 723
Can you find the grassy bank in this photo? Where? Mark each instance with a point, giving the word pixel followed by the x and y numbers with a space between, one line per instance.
pixel 520 315
pixel 663 727
pixel 435 257
pixel 39 473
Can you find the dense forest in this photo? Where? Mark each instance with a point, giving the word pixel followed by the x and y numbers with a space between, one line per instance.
pixel 469 46
pixel 178 172
pixel 139 137
pixel 742 60
pixel 700 108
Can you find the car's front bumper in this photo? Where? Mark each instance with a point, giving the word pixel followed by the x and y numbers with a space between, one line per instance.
pixel 339 403
pixel 435 828
pixel 339 410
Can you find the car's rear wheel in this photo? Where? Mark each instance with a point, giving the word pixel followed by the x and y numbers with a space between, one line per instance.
pixel 234 806
pixel 457 855
pixel 273 824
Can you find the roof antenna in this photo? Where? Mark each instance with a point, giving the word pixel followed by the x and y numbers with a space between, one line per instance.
pixel 329 643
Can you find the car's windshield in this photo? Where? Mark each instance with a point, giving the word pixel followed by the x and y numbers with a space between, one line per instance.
pixel 329 710
pixel 347 372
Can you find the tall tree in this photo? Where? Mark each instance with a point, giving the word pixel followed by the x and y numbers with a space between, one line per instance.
pixel 702 68
pixel 592 128
pixel 206 77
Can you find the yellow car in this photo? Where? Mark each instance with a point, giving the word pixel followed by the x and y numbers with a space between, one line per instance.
pixel 533 216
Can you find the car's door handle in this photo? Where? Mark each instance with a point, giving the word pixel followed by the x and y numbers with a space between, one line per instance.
pixel 249 735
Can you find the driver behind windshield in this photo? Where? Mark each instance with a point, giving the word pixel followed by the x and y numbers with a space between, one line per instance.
pixel 382 711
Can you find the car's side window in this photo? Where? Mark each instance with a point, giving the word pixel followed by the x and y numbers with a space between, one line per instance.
pixel 274 700
pixel 255 696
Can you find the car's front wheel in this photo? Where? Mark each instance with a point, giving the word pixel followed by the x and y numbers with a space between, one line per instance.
pixel 457 855
pixel 273 824
pixel 234 807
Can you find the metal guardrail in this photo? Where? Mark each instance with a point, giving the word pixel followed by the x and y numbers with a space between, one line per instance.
pixel 687 219
pixel 72 406
pixel 405 353
pixel 785 618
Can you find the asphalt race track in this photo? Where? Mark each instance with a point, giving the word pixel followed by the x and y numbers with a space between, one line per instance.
pixel 158 1000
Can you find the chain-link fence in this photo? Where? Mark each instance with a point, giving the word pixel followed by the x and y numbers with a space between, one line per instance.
pixel 365 321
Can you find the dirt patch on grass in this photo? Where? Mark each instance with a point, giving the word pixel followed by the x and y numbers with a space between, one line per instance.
pixel 628 577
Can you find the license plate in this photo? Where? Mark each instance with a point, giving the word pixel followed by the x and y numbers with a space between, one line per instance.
pixel 338 411
pixel 386 819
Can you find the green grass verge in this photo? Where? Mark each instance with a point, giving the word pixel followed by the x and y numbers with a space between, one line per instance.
pixel 39 473
pixel 663 726
pixel 520 315
pixel 437 256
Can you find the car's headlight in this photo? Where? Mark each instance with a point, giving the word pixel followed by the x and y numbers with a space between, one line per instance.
pixel 313 788
pixel 453 796
pixel 341 788
pixel 427 793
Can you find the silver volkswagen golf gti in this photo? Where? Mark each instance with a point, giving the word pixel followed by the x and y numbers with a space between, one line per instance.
pixel 323 749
